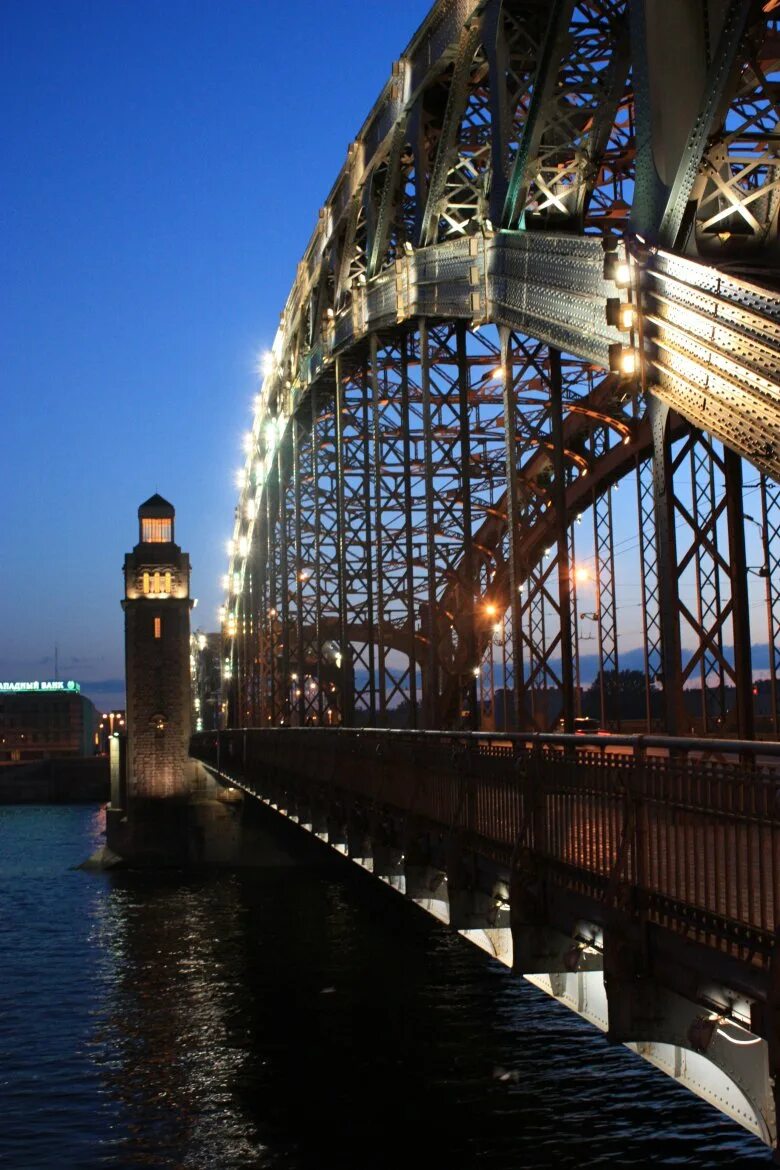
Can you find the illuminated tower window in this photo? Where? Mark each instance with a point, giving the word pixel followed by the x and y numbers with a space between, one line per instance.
pixel 156 582
pixel 156 531
pixel 158 627
pixel 146 584
pixel 167 582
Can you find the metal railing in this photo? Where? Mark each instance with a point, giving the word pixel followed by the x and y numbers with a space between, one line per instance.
pixel 681 832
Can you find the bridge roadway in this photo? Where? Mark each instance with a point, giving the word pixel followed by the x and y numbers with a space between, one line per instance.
pixel 635 877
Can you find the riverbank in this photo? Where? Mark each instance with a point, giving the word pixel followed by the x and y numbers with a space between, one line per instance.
pixel 59 781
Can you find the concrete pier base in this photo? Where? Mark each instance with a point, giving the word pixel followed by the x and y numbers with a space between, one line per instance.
pixel 215 827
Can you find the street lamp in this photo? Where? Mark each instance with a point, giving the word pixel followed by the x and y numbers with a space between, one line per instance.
pixel 752 520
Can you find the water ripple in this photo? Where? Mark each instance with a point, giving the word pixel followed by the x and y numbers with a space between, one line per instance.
pixel 286 1020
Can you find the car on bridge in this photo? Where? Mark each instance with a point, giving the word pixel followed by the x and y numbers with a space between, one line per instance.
pixel 583 725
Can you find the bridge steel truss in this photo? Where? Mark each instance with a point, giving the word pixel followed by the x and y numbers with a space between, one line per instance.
pixel 521 297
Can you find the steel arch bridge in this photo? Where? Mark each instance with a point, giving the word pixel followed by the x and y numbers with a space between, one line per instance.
pixel 545 272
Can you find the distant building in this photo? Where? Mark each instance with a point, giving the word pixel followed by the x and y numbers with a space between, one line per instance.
pixel 46 720
pixel 205 655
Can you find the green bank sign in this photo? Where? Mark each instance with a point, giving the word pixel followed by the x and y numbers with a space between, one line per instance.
pixel 15 688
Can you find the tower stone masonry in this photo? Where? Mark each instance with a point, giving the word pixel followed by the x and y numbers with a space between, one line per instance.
pixel 157 657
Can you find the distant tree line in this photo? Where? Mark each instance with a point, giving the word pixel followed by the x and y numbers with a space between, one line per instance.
pixel 624 693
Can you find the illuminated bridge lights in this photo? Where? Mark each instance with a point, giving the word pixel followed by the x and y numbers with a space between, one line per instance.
pixel 466 369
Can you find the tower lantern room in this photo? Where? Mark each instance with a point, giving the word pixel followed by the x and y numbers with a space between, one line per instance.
pixel 155 521
pixel 157 568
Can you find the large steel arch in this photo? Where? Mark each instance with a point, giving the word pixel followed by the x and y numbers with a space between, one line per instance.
pixel 546 269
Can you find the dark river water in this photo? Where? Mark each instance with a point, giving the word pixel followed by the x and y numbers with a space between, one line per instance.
pixel 296 1019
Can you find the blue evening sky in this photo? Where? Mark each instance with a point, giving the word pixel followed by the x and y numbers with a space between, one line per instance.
pixel 163 163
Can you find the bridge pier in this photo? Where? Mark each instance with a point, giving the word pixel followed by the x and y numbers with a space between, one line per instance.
pixel 319 821
pixel 359 847
pixel 337 828
pixel 425 879
pixel 388 853
pixel 478 895
pixel 537 946
pixel 389 865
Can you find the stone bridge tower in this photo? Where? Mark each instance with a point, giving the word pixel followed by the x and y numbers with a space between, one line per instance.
pixel 165 808
pixel 157 658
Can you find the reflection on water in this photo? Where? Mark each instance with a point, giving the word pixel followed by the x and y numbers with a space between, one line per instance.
pixel 286 1019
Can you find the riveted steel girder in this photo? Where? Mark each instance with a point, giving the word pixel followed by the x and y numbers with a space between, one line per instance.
pixel 437 412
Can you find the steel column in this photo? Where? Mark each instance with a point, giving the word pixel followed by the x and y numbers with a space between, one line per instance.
pixel 666 560
pixel 562 540
pixel 770 538
pixel 739 595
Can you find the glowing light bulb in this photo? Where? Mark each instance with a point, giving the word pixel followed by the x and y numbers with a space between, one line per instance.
pixel 628 362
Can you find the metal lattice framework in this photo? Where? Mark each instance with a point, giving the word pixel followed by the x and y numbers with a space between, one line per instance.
pixel 545 270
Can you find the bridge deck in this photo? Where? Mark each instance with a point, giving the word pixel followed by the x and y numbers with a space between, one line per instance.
pixel 689 840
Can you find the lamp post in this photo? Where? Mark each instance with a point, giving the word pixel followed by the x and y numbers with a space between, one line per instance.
pixel 580 575
pixel 490 613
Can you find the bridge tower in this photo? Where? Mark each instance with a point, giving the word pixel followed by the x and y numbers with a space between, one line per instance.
pixel 157 652
pixel 149 818
pixel 165 808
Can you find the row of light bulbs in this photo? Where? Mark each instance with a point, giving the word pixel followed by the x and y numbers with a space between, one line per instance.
pixel 622 315
pixel 238 546
pixel 623 361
